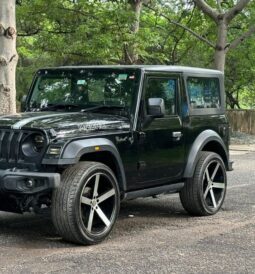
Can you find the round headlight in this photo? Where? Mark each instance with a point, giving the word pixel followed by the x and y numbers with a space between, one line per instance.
pixel 33 145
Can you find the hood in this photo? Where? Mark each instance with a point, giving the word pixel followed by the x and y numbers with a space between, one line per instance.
pixel 66 124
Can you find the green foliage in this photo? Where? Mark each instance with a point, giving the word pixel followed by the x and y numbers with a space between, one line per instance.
pixel 247 97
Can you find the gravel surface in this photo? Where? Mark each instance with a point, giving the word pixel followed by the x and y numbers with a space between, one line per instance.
pixel 160 237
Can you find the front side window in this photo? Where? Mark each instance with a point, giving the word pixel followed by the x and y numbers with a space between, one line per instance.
pixel 165 88
pixel 85 88
pixel 203 92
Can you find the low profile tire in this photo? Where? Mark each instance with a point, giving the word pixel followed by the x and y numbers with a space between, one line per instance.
pixel 204 194
pixel 86 205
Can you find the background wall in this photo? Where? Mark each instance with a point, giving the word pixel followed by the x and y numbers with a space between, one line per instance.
pixel 242 120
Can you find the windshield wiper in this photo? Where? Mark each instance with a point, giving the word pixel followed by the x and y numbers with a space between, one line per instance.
pixel 60 106
pixel 102 107
pixel 108 107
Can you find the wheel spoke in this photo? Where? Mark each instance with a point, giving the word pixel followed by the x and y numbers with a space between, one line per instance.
pixel 91 217
pixel 213 198
pixel 206 191
pixel 218 185
pixel 215 171
pixel 95 192
pixel 207 175
pixel 102 216
pixel 85 200
pixel 107 195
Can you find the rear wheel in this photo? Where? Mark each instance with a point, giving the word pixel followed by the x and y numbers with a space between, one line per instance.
pixel 204 194
pixel 86 205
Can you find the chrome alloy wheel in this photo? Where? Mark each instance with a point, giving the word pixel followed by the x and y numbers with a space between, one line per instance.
pixel 214 184
pixel 98 204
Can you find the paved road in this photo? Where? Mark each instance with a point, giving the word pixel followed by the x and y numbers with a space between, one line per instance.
pixel 160 238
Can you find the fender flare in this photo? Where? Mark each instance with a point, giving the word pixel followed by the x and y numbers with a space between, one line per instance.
pixel 75 149
pixel 202 139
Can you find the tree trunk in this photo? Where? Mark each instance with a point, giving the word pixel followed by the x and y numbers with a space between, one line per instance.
pixel 220 49
pixel 130 51
pixel 8 56
pixel 137 7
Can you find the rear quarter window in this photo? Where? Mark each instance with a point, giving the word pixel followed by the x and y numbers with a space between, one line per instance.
pixel 204 93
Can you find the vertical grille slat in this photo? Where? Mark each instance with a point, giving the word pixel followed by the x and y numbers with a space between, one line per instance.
pixel 17 145
pixel 9 143
pixel 2 134
pixel 4 145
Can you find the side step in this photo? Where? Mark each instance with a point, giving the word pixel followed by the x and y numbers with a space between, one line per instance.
pixel 172 188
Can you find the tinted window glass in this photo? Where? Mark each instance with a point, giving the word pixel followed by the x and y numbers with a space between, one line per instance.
pixel 204 92
pixel 164 88
pixel 85 88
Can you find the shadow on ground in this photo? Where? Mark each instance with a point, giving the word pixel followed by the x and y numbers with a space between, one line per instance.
pixel 30 230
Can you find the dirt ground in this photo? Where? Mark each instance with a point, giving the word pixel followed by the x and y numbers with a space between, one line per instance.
pixel 160 237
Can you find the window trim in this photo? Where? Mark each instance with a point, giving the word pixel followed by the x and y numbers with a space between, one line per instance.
pixel 205 78
pixel 160 75
pixel 206 111
pixel 138 71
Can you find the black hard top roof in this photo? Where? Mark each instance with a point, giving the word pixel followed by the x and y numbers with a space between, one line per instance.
pixel 182 69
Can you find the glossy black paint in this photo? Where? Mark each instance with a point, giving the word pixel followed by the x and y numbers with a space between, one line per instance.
pixel 153 152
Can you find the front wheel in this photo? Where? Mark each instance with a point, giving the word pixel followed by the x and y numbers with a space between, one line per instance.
pixel 86 205
pixel 204 194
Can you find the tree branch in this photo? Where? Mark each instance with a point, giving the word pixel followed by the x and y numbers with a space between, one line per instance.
pixel 77 11
pixel 65 52
pixel 199 37
pixel 208 10
pixel 29 33
pixel 127 57
pixel 241 4
pixel 235 43
pixel 219 2
pixel 178 39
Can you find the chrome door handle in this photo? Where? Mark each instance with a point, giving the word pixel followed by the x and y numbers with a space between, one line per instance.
pixel 177 135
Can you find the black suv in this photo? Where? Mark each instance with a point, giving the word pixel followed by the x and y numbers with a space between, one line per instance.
pixel 91 137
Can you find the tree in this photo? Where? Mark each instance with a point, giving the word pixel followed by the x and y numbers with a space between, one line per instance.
pixel 8 56
pixel 222 19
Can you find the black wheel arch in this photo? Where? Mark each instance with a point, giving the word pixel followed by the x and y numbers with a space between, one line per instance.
pixel 109 159
pixel 96 149
pixel 207 140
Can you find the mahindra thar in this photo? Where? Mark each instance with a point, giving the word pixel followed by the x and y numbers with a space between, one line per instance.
pixel 90 137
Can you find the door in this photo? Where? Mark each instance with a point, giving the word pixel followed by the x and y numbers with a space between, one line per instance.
pixel 160 140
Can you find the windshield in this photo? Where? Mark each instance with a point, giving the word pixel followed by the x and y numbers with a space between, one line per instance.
pixel 81 89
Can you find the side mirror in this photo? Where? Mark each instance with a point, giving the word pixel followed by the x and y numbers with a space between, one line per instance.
pixel 156 107
pixel 23 103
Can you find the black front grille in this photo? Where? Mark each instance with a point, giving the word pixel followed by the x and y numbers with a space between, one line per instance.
pixel 10 141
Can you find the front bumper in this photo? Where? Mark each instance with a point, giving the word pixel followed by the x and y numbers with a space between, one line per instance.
pixel 26 182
